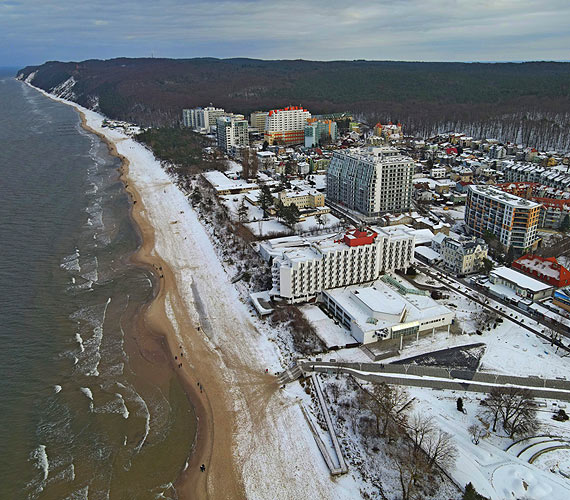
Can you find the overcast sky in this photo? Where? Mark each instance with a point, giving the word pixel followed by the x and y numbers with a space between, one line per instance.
pixel 34 31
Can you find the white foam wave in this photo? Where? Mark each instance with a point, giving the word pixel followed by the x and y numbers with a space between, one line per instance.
pixel 57 388
pixel 71 262
pixel 81 494
pixel 146 413
pixel 89 394
pixel 41 460
pixel 80 342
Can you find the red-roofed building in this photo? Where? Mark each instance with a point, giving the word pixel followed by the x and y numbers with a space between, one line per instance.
pixel 356 238
pixel 547 270
pixel 286 126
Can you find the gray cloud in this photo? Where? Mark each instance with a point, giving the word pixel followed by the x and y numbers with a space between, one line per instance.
pixel 32 31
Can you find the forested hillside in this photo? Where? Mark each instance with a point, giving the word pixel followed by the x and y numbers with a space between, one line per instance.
pixel 527 102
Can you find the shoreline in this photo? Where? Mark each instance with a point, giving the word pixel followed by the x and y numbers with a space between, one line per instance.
pixel 190 482
pixel 252 436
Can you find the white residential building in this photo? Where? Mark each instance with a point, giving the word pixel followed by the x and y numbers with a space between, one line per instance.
pixel 286 126
pixel 371 180
pixel 438 172
pixel 303 267
pixel 232 132
pixel 202 119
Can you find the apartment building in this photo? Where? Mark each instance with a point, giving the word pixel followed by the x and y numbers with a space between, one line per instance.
pixel 286 126
pixel 319 131
pixel 463 256
pixel 231 132
pixel 202 119
pixel 513 220
pixel 523 172
pixel 303 267
pixel 308 198
pixel 371 180
pixel 257 120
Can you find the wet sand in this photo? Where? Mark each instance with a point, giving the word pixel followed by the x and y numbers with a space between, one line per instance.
pixel 213 444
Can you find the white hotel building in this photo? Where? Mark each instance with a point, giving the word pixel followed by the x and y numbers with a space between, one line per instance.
pixel 286 126
pixel 303 267
pixel 202 119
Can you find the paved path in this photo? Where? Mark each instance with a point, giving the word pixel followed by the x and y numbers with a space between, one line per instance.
pixel 440 378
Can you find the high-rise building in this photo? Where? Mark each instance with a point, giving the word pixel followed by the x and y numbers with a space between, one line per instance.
pixel 319 131
pixel 257 120
pixel 303 267
pixel 201 119
pixel 286 126
pixel 232 131
pixel 371 180
pixel 513 220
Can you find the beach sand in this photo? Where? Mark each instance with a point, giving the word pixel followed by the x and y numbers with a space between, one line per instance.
pixel 214 450
pixel 252 437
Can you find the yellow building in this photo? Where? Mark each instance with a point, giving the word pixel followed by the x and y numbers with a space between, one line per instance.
pixel 303 199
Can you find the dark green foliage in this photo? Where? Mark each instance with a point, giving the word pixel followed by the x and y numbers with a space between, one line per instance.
pixel 179 146
pixel 471 493
pixel 265 199
pixel 460 405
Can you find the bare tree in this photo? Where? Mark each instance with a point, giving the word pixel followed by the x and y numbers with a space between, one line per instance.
pixel 477 432
pixel 387 404
pixel 440 449
pixel 411 466
pixel 420 428
pixel 515 407
pixel 254 164
pixel 245 173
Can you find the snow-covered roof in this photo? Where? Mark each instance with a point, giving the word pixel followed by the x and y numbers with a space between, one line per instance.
pixel 519 279
pixel 428 253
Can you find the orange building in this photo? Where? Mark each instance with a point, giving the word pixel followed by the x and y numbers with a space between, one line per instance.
pixel 512 219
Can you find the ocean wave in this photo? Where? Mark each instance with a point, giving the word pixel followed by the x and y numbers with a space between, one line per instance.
pixel 79 340
pixel 117 406
pixel 81 494
pixel 71 262
pixel 94 316
pixel 57 388
pixel 89 394
pixel 39 455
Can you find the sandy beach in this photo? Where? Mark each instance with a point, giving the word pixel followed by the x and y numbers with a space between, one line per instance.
pixel 251 436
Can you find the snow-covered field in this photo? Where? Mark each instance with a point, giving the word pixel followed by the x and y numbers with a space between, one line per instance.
pixel 495 473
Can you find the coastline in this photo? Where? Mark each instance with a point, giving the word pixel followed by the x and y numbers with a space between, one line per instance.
pixel 191 482
pixel 252 436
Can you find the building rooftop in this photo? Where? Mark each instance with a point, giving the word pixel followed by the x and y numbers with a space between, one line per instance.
pixel 520 279
pixel 502 197
pixel 389 307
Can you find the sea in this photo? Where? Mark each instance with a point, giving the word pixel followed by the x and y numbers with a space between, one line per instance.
pixel 85 411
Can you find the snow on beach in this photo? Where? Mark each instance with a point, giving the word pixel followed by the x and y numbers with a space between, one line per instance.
pixel 283 460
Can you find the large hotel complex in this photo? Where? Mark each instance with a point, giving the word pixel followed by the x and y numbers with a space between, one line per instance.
pixel 303 267
pixel 371 180
pixel 513 220
pixel 286 126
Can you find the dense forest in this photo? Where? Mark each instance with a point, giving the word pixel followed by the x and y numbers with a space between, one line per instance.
pixel 526 102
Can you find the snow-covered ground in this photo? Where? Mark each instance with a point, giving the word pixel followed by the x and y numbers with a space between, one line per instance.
pixel 329 332
pixel 283 461
pixel 495 473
